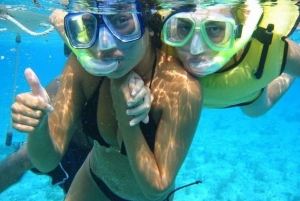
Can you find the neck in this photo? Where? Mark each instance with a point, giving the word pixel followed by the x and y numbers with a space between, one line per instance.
pixel 144 68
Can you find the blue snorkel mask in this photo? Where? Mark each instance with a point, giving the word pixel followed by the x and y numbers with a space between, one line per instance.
pixel 112 21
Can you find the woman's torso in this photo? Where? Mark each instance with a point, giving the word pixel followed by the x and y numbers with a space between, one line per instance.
pixel 107 162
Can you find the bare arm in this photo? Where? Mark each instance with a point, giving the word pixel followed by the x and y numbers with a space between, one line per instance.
pixel 293 59
pixel 270 96
pixel 50 134
pixel 179 112
pixel 15 165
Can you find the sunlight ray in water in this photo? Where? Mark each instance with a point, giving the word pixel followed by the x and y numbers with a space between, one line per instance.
pixel 235 157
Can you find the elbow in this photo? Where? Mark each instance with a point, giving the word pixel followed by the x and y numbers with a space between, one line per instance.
pixel 45 163
pixel 254 114
pixel 44 168
pixel 159 193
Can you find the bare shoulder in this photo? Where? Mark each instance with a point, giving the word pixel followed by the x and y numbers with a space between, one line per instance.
pixel 176 82
pixel 293 59
pixel 292 44
pixel 77 76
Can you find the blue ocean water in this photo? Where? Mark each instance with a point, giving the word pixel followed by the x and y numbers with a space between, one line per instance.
pixel 236 157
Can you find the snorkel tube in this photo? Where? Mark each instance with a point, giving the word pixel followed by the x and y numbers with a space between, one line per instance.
pixel 249 27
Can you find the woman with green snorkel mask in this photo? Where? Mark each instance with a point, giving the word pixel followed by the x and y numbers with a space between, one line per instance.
pixel 237 53
pixel 199 31
pixel 128 161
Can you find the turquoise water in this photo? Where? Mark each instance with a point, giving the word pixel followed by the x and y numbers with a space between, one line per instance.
pixel 236 157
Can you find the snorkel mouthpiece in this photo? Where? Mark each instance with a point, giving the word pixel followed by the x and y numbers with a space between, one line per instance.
pixel 203 68
pixel 92 65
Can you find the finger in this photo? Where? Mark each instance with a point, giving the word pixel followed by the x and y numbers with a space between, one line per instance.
pixel 24 120
pixel 141 109
pixel 144 107
pixel 146 119
pixel 139 84
pixel 135 83
pixel 34 83
pixel 137 119
pixel 23 128
pixel 36 87
pixel 27 111
pixel 131 84
pixel 133 101
pixel 26 101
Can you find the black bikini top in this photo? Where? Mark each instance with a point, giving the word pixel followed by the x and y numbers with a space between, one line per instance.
pixel 90 127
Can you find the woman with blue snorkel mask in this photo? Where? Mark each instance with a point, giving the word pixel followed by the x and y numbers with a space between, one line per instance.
pixel 237 53
pixel 128 161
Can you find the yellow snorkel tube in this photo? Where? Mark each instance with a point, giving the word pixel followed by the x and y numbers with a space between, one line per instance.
pixel 249 27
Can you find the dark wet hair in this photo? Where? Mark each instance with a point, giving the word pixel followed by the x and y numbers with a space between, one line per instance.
pixel 239 13
pixel 155 25
pixel 153 21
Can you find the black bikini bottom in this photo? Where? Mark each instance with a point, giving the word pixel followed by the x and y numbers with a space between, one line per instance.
pixel 109 194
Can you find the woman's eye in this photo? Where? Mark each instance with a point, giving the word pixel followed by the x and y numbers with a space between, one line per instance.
pixel 183 29
pixel 123 24
pixel 118 21
pixel 215 29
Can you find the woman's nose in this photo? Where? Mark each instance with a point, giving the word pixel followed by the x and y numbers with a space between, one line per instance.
pixel 106 40
pixel 197 44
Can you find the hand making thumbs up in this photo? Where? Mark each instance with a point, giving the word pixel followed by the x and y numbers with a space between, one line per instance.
pixel 30 108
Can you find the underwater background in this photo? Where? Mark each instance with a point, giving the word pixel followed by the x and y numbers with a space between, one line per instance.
pixel 236 157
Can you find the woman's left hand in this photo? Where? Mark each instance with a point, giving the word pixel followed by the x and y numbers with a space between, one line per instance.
pixel 140 101
pixel 137 96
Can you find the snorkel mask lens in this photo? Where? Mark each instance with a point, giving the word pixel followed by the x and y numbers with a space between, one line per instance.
pixel 217 32
pixel 82 29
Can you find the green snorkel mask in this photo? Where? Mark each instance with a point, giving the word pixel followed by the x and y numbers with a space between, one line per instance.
pixel 219 32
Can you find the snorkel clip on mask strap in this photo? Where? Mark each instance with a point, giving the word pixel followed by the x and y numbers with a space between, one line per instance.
pixel 264 36
pixel 238 31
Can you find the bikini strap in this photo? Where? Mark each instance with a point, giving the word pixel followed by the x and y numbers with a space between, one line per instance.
pixel 153 69
pixel 193 183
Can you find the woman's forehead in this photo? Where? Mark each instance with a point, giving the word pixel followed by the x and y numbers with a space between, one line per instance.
pixel 204 12
pixel 223 10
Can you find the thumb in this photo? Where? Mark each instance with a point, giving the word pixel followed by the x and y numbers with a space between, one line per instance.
pixel 35 85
